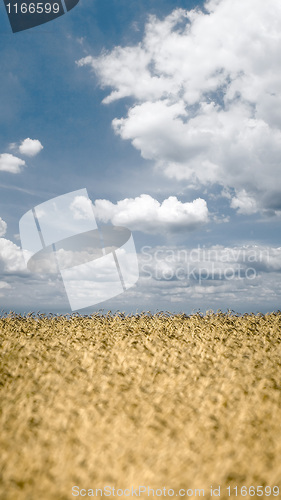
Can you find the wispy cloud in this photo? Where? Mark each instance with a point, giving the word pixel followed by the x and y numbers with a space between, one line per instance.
pixel 3 227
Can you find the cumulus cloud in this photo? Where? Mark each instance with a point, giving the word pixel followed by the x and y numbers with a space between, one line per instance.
pixel 3 227
pixel 244 203
pixel 81 208
pixel 10 163
pixel 30 147
pixel 146 214
pixel 11 257
pixel 206 93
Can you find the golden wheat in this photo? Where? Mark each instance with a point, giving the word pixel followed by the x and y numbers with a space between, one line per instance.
pixel 160 400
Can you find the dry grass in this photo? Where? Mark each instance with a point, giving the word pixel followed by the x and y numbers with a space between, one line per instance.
pixel 156 400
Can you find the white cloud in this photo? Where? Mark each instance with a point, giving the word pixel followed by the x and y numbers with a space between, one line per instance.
pixel 3 284
pixel 146 214
pixel 81 208
pixel 30 147
pixel 206 90
pixel 22 290
pixel 10 163
pixel 11 257
pixel 3 227
pixel 244 203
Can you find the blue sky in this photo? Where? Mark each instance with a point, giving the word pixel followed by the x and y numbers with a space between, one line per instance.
pixel 191 115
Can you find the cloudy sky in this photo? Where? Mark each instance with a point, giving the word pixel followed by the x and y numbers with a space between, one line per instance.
pixel 169 114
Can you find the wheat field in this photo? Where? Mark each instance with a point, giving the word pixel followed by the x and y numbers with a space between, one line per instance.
pixel 169 402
